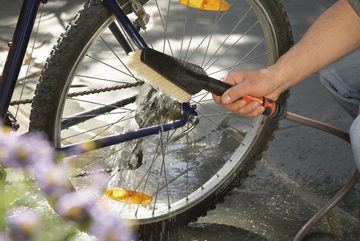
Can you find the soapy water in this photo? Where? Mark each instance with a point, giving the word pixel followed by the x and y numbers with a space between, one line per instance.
pixel 164 169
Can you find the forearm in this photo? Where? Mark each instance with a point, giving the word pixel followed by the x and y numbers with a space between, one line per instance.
pixel 334 34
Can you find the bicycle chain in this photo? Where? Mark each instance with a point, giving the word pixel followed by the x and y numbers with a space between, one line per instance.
pixel 87 92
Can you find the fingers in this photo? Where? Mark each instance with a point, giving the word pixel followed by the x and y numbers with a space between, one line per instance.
pixel 251 109
pixel 234 78
pixel 235 92
pixel 232 101
pixel 258 111
pixel 217 99
pixel 250 83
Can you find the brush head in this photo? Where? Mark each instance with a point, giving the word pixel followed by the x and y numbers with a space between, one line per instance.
pixel 157 80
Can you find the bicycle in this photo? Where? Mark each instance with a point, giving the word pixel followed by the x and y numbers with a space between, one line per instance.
pixel 174 161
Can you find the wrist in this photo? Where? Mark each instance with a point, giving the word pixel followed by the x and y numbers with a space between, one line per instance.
pixel 277 76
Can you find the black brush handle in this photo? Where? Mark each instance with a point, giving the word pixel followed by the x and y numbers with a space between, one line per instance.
pixel 272 108
pixel 217 87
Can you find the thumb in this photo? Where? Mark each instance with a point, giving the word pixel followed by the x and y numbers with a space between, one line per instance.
pixel 234 93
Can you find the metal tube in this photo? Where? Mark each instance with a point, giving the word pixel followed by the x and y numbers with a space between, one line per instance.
pixel 75 149
pixel 79 148
pixel 87 115
pixel 126 23
pixel 17 51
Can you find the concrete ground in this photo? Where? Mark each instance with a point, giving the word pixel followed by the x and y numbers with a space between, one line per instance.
pixel 300 171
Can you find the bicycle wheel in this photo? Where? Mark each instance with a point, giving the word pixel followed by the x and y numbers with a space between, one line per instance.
pixel 183 172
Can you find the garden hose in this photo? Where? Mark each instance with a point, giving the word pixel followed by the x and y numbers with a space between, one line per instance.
pixel 347 186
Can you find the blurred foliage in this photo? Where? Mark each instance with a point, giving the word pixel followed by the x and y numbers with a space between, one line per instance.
pixel 19 190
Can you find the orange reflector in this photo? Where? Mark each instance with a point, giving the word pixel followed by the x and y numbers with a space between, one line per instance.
pixel 209 5
pixel 128 196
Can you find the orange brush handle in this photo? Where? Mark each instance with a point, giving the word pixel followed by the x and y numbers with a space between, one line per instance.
pixel 271 107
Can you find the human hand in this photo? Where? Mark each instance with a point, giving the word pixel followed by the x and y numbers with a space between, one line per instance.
pixel 256 83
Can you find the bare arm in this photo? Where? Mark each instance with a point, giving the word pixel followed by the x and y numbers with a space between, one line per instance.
pixel 334 34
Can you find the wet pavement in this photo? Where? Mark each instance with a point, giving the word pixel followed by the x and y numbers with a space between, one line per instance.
pixel 299 172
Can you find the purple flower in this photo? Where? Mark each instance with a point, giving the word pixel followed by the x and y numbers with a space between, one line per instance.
pixel 108 227
pixel 22 151
pixel 75 206
pixel 23 224
pixel 53 180
pixel 98 179
pixel 81 148
pixel 7 144
pixel 3 238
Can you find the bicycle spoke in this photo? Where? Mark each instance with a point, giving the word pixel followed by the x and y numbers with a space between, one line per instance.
pixel 227 37
pixel 153 178
pixel 240 63
pixel 202 98
pixel 117 57
pixel 211 34
pixel 164 26
pixel 112 67
pixel 41 11
pixel 216 148
pixel 148 39
pixel 161 169
pixel 100 161
pixel 201 93
pixel 163 163
pixel 218 112
pixel 173 180
pixel 144 176
pixel 221 56
pixel 192 35
pixel 89 114
pixel 208 33
pixel 88 131
pixel 187 11
pixel 221 128
pixel 187 173
pixel 100 104
pixel 106 128
pixel 248 53
pixel 242 60
pixel 179 175
pixel 102 79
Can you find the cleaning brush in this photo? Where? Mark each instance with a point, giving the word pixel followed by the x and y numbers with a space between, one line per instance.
pixel 180 79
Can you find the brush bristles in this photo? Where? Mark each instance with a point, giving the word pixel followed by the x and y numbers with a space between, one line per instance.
pixel 155 79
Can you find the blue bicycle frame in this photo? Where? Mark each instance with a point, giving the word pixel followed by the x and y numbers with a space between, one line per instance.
pixel 16 55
